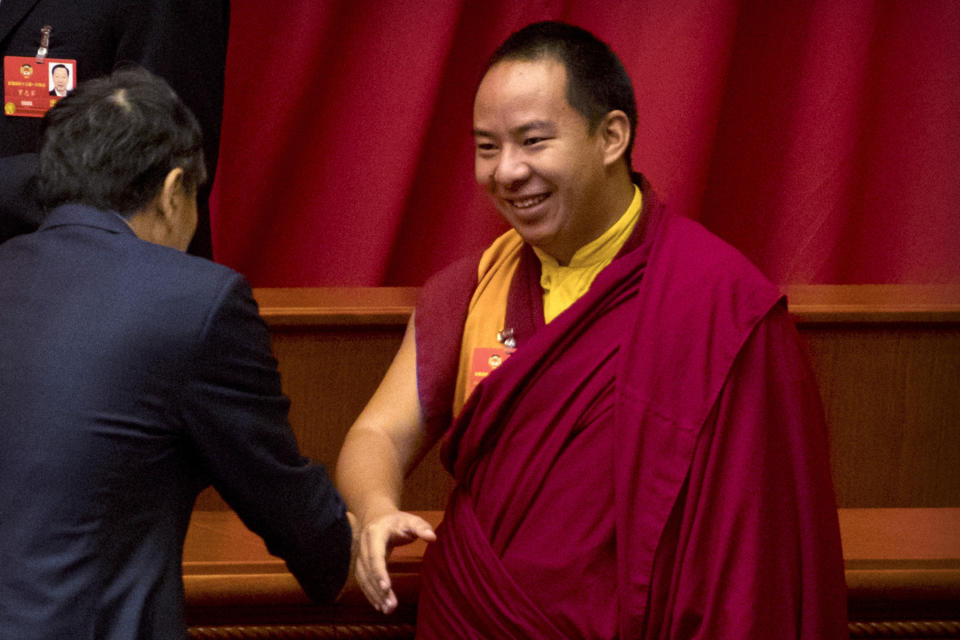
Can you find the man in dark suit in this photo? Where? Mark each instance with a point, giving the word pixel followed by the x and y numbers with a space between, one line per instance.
pixel 183 41
pixel 132 376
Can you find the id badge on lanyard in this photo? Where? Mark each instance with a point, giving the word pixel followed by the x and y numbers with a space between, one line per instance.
pixel 31 85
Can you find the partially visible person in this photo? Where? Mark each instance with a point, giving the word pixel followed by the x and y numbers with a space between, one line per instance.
pixel 132 376
pixel 61 80
pixel 20 210
pixel 636 437
pixel 183 41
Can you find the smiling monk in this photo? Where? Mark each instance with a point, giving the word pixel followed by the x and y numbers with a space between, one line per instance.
pixel 636 437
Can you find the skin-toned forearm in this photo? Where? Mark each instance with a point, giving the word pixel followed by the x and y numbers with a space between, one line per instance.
pixel 387 440
pixel 369 473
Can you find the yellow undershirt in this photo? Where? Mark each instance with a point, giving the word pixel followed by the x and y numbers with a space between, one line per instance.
pixel 488 306
pixel 563 285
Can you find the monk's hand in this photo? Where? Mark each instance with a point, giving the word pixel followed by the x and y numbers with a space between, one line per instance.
pixel 377 538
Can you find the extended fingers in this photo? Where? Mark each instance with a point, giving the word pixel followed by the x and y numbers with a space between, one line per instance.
pixel 372 567
pixel 381 598
pixel 376 540
pixel 417 527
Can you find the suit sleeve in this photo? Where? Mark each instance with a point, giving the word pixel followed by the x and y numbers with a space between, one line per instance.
pixel 19 210
pixel 236 415
pixel 758 547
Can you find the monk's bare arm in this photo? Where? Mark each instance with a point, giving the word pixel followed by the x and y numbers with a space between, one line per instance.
pixel 387 439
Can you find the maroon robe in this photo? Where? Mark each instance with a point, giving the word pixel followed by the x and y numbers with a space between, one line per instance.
pixel 651 464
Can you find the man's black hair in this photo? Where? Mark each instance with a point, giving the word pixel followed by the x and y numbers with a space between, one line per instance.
pixel 111 143
pixel 60 66
pixel 597 82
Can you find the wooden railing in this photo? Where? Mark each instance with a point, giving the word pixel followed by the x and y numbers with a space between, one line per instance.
pixel 887 358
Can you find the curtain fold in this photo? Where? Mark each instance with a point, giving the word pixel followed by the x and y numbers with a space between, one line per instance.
pixel 821 138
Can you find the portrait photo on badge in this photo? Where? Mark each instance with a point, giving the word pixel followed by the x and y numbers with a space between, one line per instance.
pixel 61 78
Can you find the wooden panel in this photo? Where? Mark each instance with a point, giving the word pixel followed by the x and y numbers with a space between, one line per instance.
pixel 310 307
pixel 892 402
pixel 329 376
pixel 874 303
pixel 230 579
pixel 332 347
pixel 902 572
pixel 902 563
pixel 887 358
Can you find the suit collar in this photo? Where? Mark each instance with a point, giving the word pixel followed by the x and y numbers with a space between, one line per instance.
pixel 11 13
pixel 83 215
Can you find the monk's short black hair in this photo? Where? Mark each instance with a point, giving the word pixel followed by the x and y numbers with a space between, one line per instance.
pixel 597 82
pixel 112 142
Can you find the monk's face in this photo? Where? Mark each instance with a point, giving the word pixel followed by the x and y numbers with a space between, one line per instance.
pixel 536 157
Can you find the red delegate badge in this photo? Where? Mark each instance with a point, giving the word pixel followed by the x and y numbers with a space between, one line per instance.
pixel 30 88
pixel 483 362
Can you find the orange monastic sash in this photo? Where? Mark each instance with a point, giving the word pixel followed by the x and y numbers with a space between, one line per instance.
pixel 481 351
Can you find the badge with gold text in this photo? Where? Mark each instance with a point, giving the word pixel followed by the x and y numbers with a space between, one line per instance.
pixel 30 87
pixel 483 362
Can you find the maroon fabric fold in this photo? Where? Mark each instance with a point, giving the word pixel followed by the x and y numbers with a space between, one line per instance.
pixel 652 463
pixel 726 517
pixel 471 566
pixel 441 309
pixel 536 462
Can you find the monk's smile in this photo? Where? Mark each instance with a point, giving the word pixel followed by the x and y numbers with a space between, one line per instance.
pixel 537 157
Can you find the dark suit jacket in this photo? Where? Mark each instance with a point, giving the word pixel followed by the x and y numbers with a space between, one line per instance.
pixel 183 41
pixel 19 210
pixel 132 376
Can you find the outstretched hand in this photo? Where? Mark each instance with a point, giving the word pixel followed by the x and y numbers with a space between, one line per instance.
pixel 377 538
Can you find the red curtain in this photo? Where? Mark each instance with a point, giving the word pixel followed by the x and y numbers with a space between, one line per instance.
pixel 821 138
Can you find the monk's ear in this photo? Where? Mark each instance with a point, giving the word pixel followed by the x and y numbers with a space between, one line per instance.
pixel 614 130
